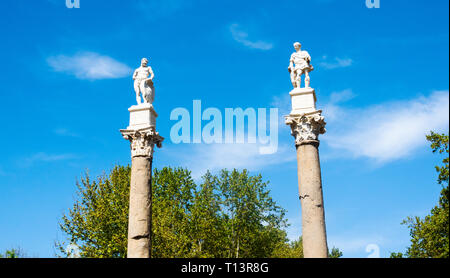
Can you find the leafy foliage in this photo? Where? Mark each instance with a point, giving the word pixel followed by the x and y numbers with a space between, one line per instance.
pixel 335 253
pixel 294 249
pixel 439 144
pixel 253 219
pixel 230 215
pixel 173 197
pixel 13 254
pixel 98 221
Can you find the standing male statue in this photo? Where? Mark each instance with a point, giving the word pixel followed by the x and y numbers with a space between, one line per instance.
pixel 300 64
pixel 143 84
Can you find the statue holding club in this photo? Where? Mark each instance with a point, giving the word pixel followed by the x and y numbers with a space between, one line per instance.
pixel 143 83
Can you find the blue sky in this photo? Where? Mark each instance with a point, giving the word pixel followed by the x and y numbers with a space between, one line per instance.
pixel 381 77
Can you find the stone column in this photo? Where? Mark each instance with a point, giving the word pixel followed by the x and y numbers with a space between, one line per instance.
pixel 306 124
pixel 143 137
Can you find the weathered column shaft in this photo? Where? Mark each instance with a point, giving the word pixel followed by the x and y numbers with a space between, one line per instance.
pixel 311 197
pixel 140 214
pixel 306 128
pixel 142 142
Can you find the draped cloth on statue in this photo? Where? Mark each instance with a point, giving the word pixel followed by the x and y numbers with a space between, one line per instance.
pixel 148 90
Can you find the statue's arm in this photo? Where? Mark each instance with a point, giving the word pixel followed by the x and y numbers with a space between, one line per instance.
pixel 308 57
pixel 134 75
pixel 291 63
pixel 152 75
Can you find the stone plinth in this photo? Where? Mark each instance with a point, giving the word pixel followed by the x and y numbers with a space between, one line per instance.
pixel 303 100
pixel 307 124
pixel 142 116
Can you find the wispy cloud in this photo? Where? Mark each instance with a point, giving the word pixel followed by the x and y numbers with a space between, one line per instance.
pixel 89 65
pixel 283 103
pixel 215 157
pixel 156 9
pixel 335 63
pixel 241 37
pixel 65 132
pixel 371 245
pixel 45 157
pixel 342 96
pixel 387 131
pixel 294 230
pixel 332 109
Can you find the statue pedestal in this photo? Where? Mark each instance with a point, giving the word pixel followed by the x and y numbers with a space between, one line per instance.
pixel 142 116
pixel 303 100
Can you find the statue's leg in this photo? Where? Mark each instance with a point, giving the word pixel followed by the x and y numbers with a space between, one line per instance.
pixel 138 98
pixel 307 80
pixel 298 79
pixel 152 94
pixel 137 90
pixel 144 89
pixel 293 77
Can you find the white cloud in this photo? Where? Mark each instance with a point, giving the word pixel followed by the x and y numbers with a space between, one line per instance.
pixel 89 65
pixel 342 96
pixel 201 157
pixel 388 131
pixel 332 110
pixel 336 63
pixel 156 9
pixel 283 103
pixel 353 244
pixel 242 37
pixel 65 132
pixel 294 230
pixel 44 157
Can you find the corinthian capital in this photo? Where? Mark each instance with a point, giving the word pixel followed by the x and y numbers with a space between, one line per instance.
pixel 306 127
pixel 143 141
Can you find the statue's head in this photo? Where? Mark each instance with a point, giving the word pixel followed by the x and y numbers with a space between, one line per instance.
pixel 297 46
pixel 144 62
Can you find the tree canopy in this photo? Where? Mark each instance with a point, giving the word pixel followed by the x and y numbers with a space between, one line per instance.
pixel 229 215
pixel 14 253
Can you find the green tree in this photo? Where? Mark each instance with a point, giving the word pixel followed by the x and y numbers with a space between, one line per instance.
pixel 294 249
pixel 13 253
pixel 97 223
pixel 208 220
pixel 253 218
pixel 430 235
pixel 231 215
pixel 335 253
pixel 289 249
pixel 173 197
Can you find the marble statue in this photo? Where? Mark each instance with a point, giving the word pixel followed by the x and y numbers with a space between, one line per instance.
pixel 142 134
pixel 299 64
pixel 143 83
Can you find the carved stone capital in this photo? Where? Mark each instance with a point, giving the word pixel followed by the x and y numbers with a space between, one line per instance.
pixel 142 142
pixel 306 127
